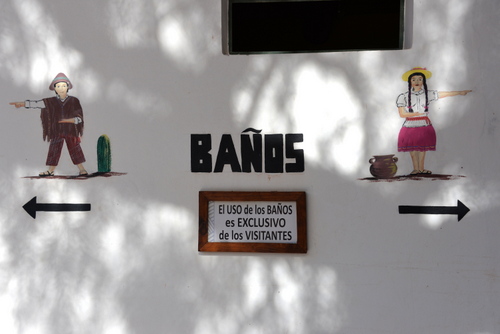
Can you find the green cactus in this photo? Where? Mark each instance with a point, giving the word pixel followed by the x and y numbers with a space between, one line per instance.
pixel 103 154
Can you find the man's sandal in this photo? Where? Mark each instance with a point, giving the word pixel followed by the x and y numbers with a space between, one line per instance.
pixel 425 171
pixel 83 173
pixel 46 173
pixel 415 172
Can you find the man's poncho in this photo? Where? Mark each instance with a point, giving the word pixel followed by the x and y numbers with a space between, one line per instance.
pixel 56 110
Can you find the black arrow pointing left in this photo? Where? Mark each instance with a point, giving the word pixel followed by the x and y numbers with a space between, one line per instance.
pixel 32 207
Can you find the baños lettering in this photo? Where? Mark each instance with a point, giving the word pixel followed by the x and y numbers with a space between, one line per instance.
pixel 275 153
pixel 279 209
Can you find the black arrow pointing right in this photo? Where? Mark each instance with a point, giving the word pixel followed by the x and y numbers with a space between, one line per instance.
pixel 460 210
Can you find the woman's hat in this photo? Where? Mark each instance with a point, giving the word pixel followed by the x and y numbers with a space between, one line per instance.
pixel 422 70
pixel 61 77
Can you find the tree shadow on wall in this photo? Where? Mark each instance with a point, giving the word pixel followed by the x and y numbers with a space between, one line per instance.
pixel 132 265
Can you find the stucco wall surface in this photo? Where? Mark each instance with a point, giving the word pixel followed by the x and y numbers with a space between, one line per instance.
pixel 149 74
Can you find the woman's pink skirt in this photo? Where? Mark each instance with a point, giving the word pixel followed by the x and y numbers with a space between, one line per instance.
pixel 421 139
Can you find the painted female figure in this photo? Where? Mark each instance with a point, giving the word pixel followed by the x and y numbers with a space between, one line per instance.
pixel 62 121
pixel 417 134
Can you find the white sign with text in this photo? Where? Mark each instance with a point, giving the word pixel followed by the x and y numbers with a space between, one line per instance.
pixel 254 222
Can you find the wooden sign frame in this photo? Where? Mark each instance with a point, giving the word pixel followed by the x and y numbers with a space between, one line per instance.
pixel 205 197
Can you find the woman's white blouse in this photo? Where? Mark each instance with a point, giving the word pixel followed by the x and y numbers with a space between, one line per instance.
pixel 417 99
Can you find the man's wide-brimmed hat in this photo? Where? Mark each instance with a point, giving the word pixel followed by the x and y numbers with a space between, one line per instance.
pixel 422 70
pixel 61 77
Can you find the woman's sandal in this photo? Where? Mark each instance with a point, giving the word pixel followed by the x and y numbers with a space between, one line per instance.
pixel 46 173
pixel 425 171
pixel 83 173
pixel 415 172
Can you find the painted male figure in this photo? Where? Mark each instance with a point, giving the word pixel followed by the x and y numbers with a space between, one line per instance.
pixel 62 121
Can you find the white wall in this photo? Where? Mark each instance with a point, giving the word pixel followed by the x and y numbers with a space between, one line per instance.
pixel 151 73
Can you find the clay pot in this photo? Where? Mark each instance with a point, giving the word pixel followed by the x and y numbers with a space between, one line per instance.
pixel 383 166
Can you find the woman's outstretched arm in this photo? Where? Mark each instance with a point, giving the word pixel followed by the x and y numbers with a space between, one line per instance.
pixel 453 93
